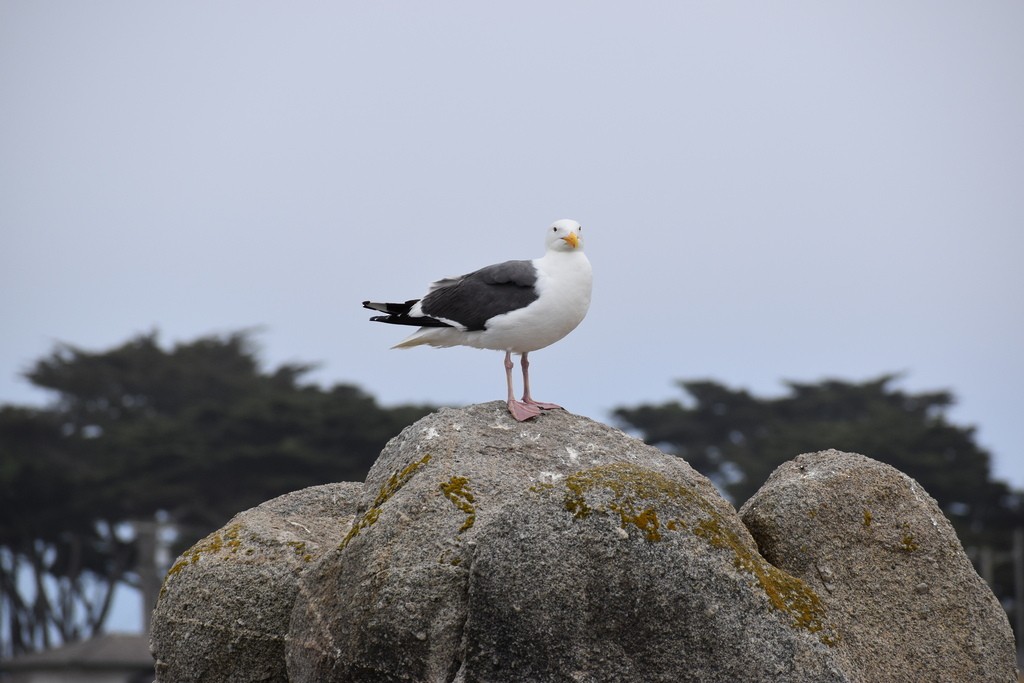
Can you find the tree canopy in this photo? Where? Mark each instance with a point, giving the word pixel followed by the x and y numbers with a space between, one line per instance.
pixel 738 439
pixel 198 431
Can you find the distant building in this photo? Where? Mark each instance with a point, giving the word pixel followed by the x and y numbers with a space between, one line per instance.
pixel 109 658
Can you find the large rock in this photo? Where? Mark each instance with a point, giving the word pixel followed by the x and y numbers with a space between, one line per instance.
pixel 627 572
pixel 888 568
pixel 224 607
pixel 559 549
pixel 482 549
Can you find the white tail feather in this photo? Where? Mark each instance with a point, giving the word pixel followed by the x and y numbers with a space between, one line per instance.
pixel 417 338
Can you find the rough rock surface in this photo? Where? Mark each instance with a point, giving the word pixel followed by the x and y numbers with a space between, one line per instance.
pixel 888 567
pixel 224 607
pixel 558 549
pixel 482 549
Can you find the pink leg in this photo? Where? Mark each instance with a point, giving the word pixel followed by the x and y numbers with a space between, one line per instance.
pixel 527 399
pixel 520 411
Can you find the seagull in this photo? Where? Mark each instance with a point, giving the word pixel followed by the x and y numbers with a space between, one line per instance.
pixel 516 307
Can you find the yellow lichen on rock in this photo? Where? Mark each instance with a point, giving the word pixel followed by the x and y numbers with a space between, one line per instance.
pixel 787 593
pixel 395 482
pixel 635 495
pixel 457 491
pixel 626 483
pixel 213 543
pixel 907 541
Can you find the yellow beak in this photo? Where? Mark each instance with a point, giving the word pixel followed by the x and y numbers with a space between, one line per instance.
pixel 572 239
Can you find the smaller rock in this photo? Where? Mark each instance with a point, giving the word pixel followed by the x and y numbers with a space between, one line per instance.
pixel 888 567
pixel 224 607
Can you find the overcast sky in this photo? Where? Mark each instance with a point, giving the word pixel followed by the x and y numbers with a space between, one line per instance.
pixel 770 191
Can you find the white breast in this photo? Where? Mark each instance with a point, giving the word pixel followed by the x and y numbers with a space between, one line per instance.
pixel 564 283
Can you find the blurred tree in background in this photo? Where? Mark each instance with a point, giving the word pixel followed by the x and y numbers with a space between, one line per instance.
pixel 197 432
pixel 737 440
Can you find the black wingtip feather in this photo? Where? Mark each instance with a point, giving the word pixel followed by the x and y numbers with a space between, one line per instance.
pixel 408 320
pixel 391 308
pixel 398 314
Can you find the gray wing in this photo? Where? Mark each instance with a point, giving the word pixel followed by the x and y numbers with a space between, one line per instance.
pixel 475 298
